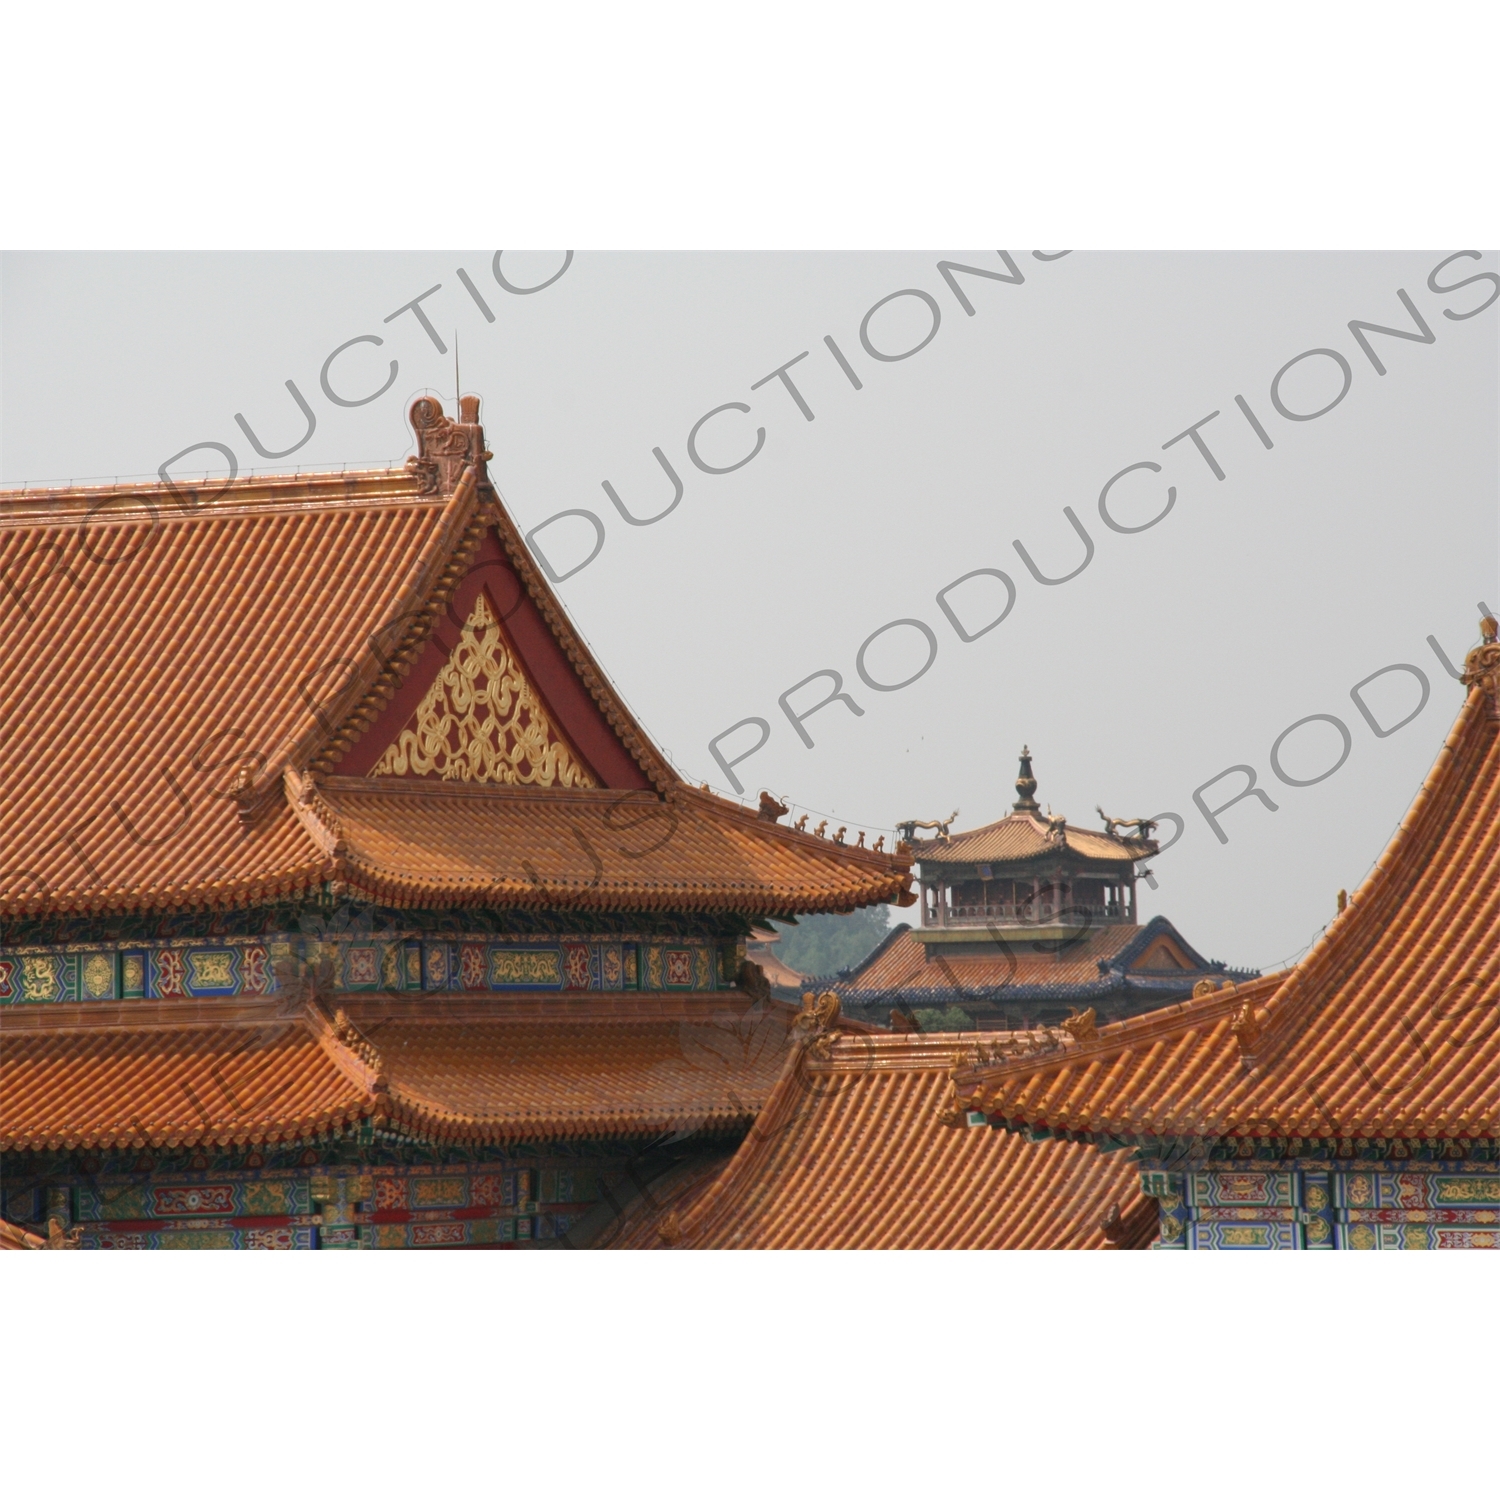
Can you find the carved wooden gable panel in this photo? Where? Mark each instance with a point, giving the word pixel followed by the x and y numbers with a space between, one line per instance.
pixel 482 720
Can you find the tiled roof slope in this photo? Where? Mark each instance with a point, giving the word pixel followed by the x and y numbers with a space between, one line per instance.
pixel 1024 836
pixel 1100 962
pixel 850 1153
pixel 601 1069
pixel 155 651
pixel 410 843
pixel 196 1082
pixel 177 659
pixel 445 1068
pixel 1385 1030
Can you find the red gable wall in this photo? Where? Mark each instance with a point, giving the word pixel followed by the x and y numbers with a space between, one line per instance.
pixel 567 700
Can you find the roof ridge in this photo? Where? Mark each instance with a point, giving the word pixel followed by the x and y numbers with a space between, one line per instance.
pixel 606 696
pixel 902 1051
pixel 1053 831
pixel 775 1116
pixel 437 573
pixel 1290 1009
pixel 881 859
pixel 355 1057
pixel 1154 1025
pixel 34 506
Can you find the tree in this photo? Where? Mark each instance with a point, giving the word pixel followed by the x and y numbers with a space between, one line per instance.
pixel 822 945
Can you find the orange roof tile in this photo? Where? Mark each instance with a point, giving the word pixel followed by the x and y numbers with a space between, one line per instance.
pixel 1384 1030
pixel 904 962
pixel 176 659
pixel 474 1072
pixel 1120 969
pixel 1026 836
pixel 849 1153
pixel 154 655
pixel 131 1083
pixel 406 842
pixel 448 1068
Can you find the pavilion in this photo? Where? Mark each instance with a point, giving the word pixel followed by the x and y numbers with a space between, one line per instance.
pixel 1025 922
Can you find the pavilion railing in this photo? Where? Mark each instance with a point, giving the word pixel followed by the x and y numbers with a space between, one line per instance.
pixel 1028 913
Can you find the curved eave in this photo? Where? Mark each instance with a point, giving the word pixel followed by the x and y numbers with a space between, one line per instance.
pixel 421 1121
pixel 142 1136
pixel 398 890
pixel 188 896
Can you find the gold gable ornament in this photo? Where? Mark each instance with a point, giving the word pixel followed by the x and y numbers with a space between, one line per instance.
pixel 481 720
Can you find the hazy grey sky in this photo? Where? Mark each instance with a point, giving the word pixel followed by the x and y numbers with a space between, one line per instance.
pixel 1180 650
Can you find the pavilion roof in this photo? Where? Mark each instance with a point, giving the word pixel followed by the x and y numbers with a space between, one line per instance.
pixel 1005 965
pixel 184 666
pixel 1024 836
pixel 1385 1030
pixel 852 1151
pixel 443 1068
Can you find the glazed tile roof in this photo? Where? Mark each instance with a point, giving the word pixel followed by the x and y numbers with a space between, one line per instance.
pixel 178 661
pixel 443 1068
pixel 141 1085
pixel 1385 1030
pixel 149 658
pixel 1116 957
pixel 413 844
pixel 850 1153
pixel 601 1070
pixel 1027 836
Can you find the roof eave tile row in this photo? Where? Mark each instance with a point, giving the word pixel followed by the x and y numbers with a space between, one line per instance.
pixel 452 1068
pixel 444 826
